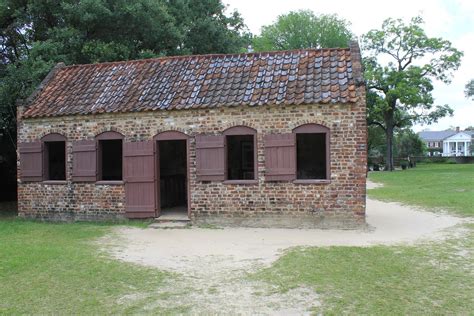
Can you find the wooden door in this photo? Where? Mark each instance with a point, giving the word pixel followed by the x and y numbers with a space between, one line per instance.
pixel 139 176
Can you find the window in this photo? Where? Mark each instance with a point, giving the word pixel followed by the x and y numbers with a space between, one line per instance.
pixel 54 157
pixel 312 152
pixel 109 159
pixel 310 156
pixel 240 153
pixel 56 160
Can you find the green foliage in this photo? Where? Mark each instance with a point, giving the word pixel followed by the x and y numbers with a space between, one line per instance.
pixel 400 90
pixel 469 89
pixel 376 141
pixel 206 29
pixel 408 143
pixel 304 29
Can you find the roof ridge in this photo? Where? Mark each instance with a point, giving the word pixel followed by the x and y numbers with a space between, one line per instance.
pixel 272 52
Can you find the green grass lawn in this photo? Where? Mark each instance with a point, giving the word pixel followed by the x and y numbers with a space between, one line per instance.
pixel 430 278
pixel 381 280
pixel 56 269
pixel 50 268
pixel 433 186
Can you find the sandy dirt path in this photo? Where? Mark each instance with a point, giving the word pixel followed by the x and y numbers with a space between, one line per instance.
pixel 212 263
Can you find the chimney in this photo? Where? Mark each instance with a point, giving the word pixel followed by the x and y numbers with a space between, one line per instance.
pixel 457 129
pixel 356 63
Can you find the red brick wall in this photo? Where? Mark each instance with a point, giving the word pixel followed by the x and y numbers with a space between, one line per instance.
pixel 338 203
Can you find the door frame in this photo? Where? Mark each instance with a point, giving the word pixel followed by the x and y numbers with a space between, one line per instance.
pixel 170 135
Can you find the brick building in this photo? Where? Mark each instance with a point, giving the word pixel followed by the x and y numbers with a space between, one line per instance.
pixel 257 139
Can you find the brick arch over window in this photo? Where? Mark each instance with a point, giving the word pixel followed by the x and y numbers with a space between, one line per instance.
pixel 240 130
pixel 311 128
pixel 239 123
pixel 171 135
pixel 318 142
pixel 109 135
pixel 53 132
pixel 110 129
pixel 164 129
pixel 319 122
pixel 53 137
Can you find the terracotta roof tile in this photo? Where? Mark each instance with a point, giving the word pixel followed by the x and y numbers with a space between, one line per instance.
pixel 287 77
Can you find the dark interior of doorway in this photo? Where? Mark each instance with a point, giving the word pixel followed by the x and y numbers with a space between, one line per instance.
pixel 173 176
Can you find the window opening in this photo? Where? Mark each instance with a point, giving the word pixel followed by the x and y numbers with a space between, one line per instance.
pixel 56 160
pixel 110 160
pixel 240 157
pixel 311 156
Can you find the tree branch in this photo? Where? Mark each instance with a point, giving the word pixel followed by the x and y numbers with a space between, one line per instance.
pixel 377 88
pixel 407 63
pixel 377 124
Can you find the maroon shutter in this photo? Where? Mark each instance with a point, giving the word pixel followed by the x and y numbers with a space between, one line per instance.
pixel 31 161
pixel 139 174
pixel 210 158
pixel 84 157
pixel 280 157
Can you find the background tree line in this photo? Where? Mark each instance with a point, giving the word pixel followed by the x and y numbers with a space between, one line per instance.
pixel 35 35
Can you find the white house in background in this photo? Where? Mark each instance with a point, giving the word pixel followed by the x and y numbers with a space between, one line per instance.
pixel 457 145
pixel 448 143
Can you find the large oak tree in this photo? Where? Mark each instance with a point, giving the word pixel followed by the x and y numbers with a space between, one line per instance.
pixel 401 62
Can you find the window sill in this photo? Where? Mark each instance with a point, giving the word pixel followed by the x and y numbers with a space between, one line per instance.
pixel 311 181
pixel 110 182
pixel 54 182
pixel 241 182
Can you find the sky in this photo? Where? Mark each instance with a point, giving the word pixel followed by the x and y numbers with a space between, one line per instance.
pixel 452 20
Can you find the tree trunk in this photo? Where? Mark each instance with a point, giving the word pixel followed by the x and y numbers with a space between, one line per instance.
pixel 389 152
pixel 389 127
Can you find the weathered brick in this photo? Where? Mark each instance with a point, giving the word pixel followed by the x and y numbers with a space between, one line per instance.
pixel 339 203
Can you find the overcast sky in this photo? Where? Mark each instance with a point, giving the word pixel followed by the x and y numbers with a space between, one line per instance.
pixel 450 19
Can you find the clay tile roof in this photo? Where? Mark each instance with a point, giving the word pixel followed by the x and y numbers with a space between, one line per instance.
pixel 307 76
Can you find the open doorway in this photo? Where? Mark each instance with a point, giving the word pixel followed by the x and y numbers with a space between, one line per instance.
pixel 173 196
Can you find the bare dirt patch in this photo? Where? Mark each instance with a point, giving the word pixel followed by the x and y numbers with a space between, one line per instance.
pixel 211 264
